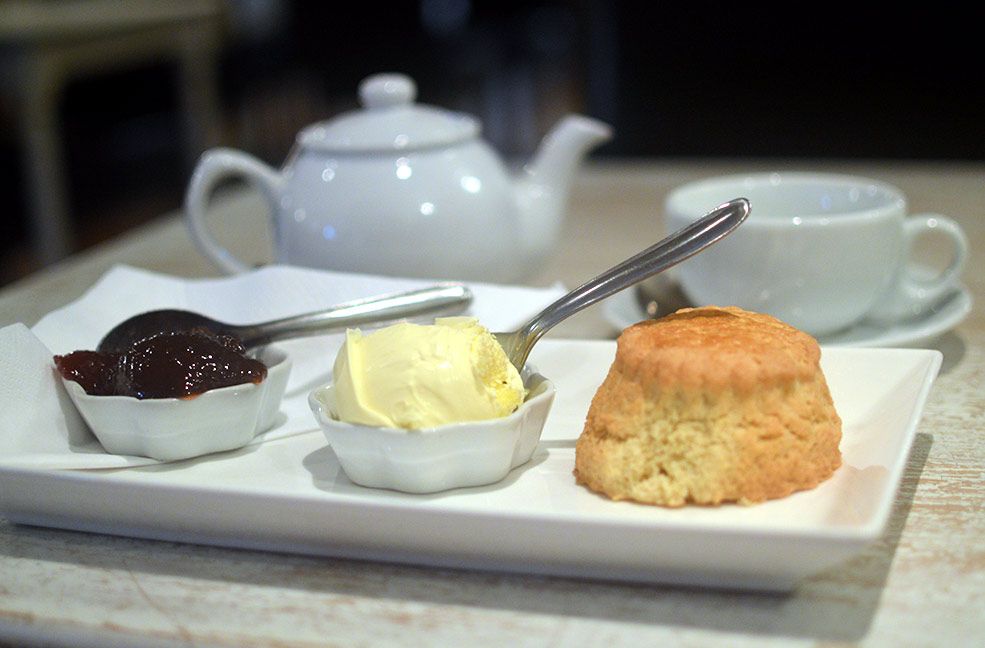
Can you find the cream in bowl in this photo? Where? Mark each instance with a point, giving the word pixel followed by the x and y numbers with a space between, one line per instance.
pixel 178 402
pixel 426 408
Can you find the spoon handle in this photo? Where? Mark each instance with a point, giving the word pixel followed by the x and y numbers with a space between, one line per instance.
pixel 445 299
pixel 670 251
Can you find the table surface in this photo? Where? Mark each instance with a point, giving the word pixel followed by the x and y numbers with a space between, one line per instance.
pixel 921 583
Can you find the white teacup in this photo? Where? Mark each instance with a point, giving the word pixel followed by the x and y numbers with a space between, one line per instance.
pixel 819 251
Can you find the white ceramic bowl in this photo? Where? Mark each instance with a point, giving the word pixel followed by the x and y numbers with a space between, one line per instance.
pixel 168 429
pixel 440 458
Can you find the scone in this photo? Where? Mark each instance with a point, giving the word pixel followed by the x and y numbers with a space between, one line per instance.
pixel 710 405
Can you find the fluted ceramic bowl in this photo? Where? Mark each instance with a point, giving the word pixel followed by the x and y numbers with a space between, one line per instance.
pixel 169 429
pixel 440 458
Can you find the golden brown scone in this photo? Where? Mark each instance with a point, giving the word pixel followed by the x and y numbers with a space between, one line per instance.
pixel 710 405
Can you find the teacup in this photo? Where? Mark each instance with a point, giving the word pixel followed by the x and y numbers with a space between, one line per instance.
pixel 819 251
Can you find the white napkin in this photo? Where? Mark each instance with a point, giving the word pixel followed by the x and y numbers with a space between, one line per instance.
pixel 39 420
pixel 41 428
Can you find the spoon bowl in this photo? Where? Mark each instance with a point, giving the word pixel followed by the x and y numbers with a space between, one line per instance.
pixel 661 295
pixel 677 247
pixel 443 299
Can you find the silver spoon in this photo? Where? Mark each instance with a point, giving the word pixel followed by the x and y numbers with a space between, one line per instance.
pixel 672 250
pixel 660 295
pixel 444 299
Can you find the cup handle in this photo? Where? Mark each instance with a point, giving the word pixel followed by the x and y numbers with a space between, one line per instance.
pixel 910 295
pixel 214 166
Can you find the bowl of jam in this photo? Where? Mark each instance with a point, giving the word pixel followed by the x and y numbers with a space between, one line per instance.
pixel 176 395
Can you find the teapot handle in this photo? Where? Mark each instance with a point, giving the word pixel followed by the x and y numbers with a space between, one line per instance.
pixel 213 167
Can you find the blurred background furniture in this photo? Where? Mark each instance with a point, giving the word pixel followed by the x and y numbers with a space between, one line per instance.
pixel 46 46
pixel 676 80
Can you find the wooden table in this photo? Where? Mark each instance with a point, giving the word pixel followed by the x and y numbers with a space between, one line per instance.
pixel 922 583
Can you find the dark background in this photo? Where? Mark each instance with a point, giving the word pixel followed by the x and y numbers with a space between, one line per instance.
pixel 675 80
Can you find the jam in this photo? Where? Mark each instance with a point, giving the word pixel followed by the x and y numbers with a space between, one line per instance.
pixel 165 365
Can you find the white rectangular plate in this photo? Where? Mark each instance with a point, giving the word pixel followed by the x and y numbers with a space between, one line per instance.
pixel 290 495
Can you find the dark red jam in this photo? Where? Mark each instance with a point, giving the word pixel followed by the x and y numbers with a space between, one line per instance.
pixel 165 365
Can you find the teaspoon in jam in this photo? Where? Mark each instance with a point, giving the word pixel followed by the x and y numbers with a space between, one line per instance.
pixel 444 299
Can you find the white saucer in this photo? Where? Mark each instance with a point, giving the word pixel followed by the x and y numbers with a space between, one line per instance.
pixel 622 310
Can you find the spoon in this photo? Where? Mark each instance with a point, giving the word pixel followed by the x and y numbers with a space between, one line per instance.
pixel 661 295
pixel 672 250
pixel 441 299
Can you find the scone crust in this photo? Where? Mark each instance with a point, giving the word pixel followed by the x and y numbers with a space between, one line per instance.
pixel 710 405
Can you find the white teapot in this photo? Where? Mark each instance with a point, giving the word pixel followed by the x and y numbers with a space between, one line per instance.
pixel 404 189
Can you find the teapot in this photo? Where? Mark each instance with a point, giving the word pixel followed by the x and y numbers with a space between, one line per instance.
pixel 403 189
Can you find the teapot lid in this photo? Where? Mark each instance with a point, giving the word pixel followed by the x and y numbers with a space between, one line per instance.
pixel 389 121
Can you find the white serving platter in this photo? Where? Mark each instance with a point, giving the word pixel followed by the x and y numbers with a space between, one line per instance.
pixel 290 495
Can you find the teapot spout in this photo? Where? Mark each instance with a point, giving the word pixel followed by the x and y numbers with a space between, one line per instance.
pixel 562 150
pixel 543 187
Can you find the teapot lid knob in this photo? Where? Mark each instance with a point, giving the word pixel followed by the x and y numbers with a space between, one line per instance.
pixel 388 89
pixel 389 120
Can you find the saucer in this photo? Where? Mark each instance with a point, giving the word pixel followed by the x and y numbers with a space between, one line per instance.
pixel 623 310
